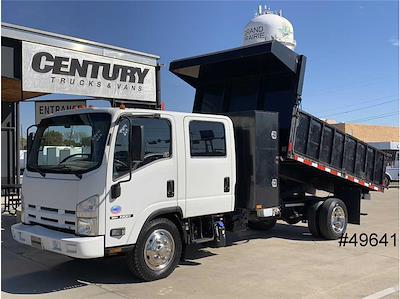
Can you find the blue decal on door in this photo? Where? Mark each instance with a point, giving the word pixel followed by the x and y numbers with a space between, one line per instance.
pixel 116 209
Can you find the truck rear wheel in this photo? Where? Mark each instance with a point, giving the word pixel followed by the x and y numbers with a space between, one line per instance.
pixel 313 218
pixel 332 218
pixel 265 224
pixel 157 251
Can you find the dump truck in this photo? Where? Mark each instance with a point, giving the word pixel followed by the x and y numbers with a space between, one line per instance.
pixel 148 183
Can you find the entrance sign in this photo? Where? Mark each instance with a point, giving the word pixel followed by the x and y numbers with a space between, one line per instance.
pixel 57 70
pixel 43 108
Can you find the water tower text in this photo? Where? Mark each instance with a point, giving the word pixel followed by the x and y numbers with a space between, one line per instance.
pixel 254 33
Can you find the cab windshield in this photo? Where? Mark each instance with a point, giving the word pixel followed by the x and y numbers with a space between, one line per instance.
pixel 70 143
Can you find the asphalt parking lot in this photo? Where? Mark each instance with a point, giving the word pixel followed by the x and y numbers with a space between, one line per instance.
pixel 284 262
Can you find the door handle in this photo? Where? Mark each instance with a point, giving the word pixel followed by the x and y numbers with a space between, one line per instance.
pixel 170 188
pixel 226 184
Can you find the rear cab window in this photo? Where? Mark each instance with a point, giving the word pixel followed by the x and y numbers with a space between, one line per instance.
pixel 207 139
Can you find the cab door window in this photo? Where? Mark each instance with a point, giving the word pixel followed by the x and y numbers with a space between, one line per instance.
pixel 156 138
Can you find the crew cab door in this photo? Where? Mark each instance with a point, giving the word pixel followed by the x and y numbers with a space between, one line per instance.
pixel 209 173
pixel 153 185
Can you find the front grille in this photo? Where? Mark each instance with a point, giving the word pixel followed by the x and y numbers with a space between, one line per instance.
pixel 49 209
pixel 49 219
pixel 64 230
pixel 52 217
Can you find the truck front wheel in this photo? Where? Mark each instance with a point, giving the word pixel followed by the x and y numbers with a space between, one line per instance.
pixel 157 251
pixel 332 218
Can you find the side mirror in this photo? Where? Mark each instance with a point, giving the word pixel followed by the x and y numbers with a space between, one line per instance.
pixel 137 147
pixel 116 191
pixel 29 140
pixel 29 143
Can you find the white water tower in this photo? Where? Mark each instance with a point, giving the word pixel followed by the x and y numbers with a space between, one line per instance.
pixel 269 25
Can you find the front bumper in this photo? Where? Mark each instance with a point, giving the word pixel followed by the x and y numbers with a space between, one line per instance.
pixel 59 242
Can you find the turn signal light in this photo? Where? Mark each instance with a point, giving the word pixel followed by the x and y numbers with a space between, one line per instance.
pixel 115 250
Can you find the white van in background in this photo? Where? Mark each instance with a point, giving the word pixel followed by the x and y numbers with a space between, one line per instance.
pixel 392 166
pixel 392 169
pixel 22 160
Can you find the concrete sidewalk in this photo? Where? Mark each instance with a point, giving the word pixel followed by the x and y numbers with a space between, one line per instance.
pixel 285 262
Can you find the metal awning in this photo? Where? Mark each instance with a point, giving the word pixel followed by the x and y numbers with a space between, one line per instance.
pixel 13 36
pixel 22 33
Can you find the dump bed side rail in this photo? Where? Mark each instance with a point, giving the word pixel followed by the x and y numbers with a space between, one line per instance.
pixel 317 144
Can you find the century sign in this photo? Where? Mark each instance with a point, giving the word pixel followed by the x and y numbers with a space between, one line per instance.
pixel 56 70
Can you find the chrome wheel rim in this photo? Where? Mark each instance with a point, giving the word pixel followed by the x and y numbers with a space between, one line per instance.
pixel 159 249
pixel 338 219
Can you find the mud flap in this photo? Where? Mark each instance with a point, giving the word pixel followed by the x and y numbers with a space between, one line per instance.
pixel 352 198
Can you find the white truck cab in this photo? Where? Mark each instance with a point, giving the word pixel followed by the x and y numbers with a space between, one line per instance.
pixel 112 178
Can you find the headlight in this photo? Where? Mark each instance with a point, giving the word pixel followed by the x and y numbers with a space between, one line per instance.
pixel 87 208
pixel 86 216
pixel 87 226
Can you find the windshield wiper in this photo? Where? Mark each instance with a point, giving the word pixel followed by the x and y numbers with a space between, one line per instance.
pixel 78 175
pixel 42 173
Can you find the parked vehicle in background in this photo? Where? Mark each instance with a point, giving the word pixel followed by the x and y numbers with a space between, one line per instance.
pixel 392 171
pixel 392 165
pixel 22 160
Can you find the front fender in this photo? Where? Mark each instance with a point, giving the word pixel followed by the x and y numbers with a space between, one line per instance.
pixel 150 213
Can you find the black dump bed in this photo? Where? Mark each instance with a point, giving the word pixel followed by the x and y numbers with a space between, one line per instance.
pixel 269 77
pixel 315 143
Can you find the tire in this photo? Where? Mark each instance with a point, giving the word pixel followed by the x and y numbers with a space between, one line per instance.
pixel 327 210
pixel 386 181
pixel 265 224
pixel 162 236
pixel 313 218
